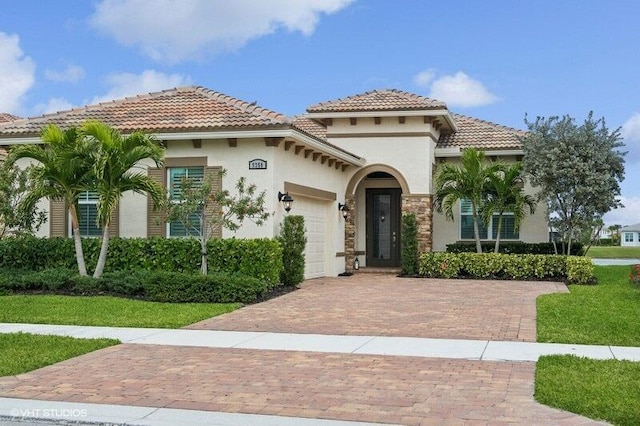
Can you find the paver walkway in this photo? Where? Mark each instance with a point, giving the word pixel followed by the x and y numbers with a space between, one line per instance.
pixel 383 305
pixel 340 386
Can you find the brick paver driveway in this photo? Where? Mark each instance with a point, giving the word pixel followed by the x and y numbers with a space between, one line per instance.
pixel 383 305
pixel 388 389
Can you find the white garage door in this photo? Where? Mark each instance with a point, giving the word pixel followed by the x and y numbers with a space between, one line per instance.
pixel 315 223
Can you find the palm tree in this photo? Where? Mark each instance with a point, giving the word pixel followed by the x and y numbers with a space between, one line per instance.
pixel 63 171
pixel 506 195
pixel 115 160
pixel 466 181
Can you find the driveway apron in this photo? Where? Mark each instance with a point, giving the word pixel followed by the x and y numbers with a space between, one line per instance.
pixel 385 389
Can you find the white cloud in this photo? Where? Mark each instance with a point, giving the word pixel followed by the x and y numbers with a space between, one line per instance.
pixel 16 73
pixel 53 105
pixel 174 30
pixel 128 84
pixel 71 74
pixel 424 78
pixel 630 131
pixel 458 90
pixel 628 215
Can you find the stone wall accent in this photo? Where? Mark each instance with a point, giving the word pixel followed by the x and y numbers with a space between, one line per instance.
pixel 350 233
pixel 421 205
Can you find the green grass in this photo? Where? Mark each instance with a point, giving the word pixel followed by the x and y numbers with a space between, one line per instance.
pixel 600 389
pixel 105 311
pixel 22 352
pixel 614 252
pixel 604 314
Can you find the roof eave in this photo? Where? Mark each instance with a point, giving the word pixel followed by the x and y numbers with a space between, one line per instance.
pixel 379 113
pixel 456 151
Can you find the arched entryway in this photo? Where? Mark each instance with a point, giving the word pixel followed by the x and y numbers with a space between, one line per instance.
pixel 372 232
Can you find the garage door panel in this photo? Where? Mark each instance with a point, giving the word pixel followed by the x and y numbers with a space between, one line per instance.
pixel 315 223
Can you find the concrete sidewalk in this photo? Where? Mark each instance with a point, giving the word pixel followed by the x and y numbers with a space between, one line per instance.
pixel 483 350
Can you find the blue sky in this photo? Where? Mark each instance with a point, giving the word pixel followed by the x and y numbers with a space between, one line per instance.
pixel 496 59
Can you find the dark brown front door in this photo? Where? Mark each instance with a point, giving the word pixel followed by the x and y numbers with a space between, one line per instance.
pixel 383 227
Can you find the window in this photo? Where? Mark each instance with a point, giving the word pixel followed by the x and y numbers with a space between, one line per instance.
pixel 175 175
pixel 628 237
pixel 87 215
pixel 507 232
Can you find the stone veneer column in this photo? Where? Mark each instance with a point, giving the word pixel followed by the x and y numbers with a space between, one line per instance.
pixel 421 206
pixel 350 234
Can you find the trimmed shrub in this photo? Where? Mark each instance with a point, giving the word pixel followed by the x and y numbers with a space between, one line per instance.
pixel 512 247
pixel 440 265
pixel 409 243
pixel 580 271
pixel 293 241
pixel 576 270
pixel 259 258
pixel 159 286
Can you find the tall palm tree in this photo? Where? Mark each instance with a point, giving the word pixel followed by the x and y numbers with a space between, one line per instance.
pixel 506 195
pixel 63 171
pixel 468 181
pixel 116 170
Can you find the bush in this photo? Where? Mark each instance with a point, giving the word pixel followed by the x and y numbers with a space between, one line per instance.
pixel 634 276
pixel 513 247
pixel 576 270
pixel 293 241
pixel 440 265
pixel 580 270
pixel 158 286
pixel 409 242
pixel 259 258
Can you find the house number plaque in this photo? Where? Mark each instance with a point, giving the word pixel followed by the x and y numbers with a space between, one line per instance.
pixel 258 164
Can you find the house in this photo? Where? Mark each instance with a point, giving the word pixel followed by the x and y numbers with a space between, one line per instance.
pixel 630 236
pixel 375 153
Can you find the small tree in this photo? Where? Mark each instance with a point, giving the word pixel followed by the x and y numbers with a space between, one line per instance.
pixel 578 169
pixel 203 209
pixel 293 241
pixel 115 160
pixel 15 217
pixel 409 241
pixel 466 181
pixel 506 195
pixel 63 171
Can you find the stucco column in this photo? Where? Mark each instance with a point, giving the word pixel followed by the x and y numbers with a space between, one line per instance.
pixel 350 234
pixel 421 206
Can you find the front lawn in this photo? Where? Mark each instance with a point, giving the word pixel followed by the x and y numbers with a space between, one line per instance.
pixel 105 311
pixel 600 389
pixel 22 352
pixel 604 314
pixel 614 252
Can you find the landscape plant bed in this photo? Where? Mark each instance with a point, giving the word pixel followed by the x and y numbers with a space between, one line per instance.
pixel 23 352
pixel 599 389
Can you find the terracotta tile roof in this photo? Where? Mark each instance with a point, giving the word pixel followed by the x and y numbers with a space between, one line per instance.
pixel 473 132
pixel 4 117
pixel 316 130
pixel 176 110
pixel 379 100
pixel 310 127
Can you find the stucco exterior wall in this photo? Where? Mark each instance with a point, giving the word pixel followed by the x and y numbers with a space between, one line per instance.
pixel 384 143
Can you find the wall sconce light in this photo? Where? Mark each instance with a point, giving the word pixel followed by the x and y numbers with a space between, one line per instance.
pixel 344 209
pixel 382 216
pixel 286 200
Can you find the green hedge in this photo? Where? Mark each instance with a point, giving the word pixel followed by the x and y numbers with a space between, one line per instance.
pixel 409 244
pixel 258 258
pixel 159 286
pixel 576 270
pixel 293 241
pixel 513 247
